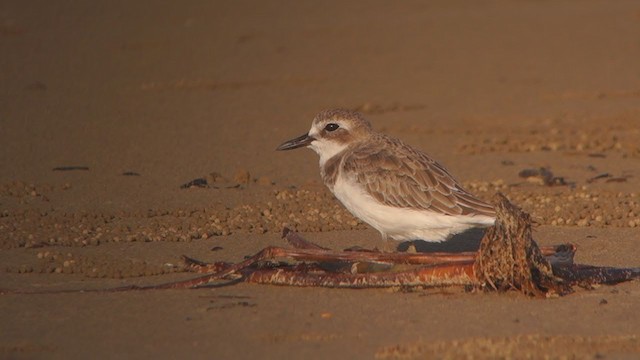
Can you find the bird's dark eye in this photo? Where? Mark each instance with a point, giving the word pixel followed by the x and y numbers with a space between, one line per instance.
pixel 331 127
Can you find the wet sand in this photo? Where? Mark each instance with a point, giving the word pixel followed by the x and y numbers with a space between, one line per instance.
pixel 108 108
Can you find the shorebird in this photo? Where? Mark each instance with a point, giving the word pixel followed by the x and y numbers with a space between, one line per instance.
pixel 397 189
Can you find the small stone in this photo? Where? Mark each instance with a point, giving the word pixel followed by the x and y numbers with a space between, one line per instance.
pixel 326 315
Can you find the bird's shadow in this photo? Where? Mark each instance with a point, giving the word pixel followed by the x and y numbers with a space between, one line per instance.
pixel 463 242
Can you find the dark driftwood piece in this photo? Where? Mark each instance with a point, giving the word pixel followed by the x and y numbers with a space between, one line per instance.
pixel 508 258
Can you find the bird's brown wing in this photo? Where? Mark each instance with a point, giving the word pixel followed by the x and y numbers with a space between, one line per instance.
pixel 400 176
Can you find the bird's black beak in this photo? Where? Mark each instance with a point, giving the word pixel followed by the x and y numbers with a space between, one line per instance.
pixel 300 141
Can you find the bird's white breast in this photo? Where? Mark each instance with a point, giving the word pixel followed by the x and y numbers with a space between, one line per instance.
pixel 402 223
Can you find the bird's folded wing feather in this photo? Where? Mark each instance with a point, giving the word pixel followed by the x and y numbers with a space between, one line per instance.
pixel 404 177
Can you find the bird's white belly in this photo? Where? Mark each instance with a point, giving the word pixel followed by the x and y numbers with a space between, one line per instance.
pixel 403 223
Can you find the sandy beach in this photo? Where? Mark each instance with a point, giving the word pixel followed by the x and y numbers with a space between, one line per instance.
pixel 108 107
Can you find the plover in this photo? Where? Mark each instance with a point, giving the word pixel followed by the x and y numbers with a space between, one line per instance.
pixel 397 189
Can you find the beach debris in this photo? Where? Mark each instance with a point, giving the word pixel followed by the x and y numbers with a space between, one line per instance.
pixel 598 177
pixel 597 155
pixel 617 179
pixel 508 259
pixel 195 183
pixel 70 168
pixel 609 178
pixel 542 176
pixel 215 180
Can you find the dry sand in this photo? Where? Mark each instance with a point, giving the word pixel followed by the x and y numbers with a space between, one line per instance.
pixel 106 108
